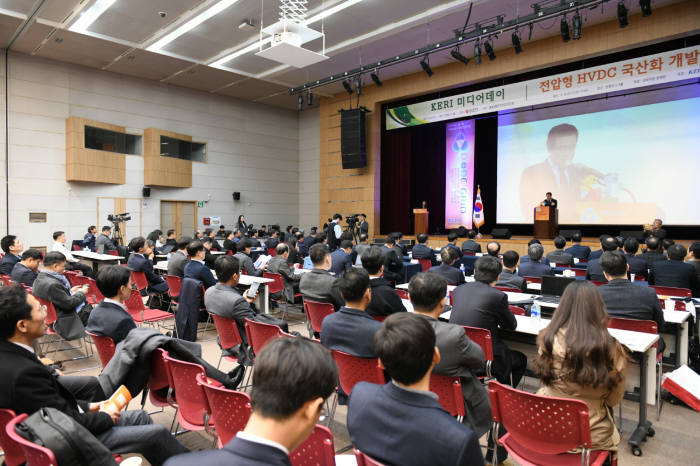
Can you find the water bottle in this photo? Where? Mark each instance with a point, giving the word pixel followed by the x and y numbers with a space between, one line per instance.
pixel 535 311
pixel 461 267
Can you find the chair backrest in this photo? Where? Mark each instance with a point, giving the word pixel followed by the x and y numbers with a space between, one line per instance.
pixel 598 283
pixel 174 284
pixel 316 312
pixel 449 392
pixel 364 460
pixel 229 252
pixel 508 289
pixel 271 252
pixel 316 450
pixel 521 413
pixel 352 369
pixel 277 284
pixel 105 347
pixel 14 456
pixel 134 303
pixel 403 294
pixel 112 252
pixel 158 381
pixel 51 315
pixel 229 409
pixel 191 403
pixel 6 280
pixel 671 291
pixel 73 277
pixel 259 333
pixel 227 329
pixel 533 279
pixel 517 311
pixel 76 247
pixel 139 279
pixel 425 264
pixel 481 337
pixel 578 272
pixel 634 325
pixel 380 318
pixel 93 291
pixel 34 454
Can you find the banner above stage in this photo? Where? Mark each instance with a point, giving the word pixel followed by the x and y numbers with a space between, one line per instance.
pixel 675 65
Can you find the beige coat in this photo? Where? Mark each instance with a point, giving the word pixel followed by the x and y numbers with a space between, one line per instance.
pixel 604 434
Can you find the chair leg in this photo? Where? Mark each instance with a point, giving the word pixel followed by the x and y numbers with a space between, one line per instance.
pixel 659 400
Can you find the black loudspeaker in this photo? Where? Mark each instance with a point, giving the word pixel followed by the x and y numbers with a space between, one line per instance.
pixel 501 233
pixel 636 234
pixel 236 196
pixel 146 192
pixel 352 138
pixel 568 234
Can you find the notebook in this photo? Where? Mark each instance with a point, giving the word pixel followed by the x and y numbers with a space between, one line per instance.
pixel 553 288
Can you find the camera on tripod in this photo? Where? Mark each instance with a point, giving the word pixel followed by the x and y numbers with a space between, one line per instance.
pixel 352 220
pixel 119 218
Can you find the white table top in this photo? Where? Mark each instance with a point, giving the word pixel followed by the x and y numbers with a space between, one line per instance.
pixel 96 256
pixel 670 315
pixel 244 280
pixel 217 253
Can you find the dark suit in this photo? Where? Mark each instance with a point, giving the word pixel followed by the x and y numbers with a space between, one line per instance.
pixel 176 264
pixel 291 281
pixel 652 256
pixel 479 305
pixel 450 245
pixel 139 263
pixel 471 246
pixel 214 244
pixel 340 262
pixel 110 320
pixel 271 243
pixel 660 233
pixel 363 227
pixel 534 269
pixel 230 245
pixel 209 258
pixel 393 265
pixel 696 264
pixel 550 203
pixel 421 251
pixel 89 241
pixel 401 427
pixel 384 301
pixel 237 452
pixel 51 289
pixel 305 244
pixel 319 286
pixel 23 274
pixel 351 331
pixel 595 255
pixel 638 265
pixel 578 251
pixel 293 257
pixel 625 299
pixel 7 263
pixel 594 271
pixel 246 264
pixel 559 256
pixel 106 241
pixel 673 273
pixel 511 280
pixel 198 271
pixel 452 274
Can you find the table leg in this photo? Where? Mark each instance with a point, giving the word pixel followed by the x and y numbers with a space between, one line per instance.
pixel 266 297
pixel 682 347
pixel 643 426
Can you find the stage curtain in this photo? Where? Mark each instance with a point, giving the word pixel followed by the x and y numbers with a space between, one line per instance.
pixel 428 173
pixel 396 212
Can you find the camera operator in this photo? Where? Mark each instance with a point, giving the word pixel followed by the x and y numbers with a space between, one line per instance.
pixel 104 240
pixel 334 232
pixel 362 226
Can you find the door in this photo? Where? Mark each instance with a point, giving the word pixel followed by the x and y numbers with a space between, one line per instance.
pixel 180 216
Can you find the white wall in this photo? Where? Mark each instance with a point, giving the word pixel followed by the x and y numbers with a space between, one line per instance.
pixel 309 163
pixel 252 148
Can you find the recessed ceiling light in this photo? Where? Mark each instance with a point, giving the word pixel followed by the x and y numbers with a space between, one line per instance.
pixel 90 16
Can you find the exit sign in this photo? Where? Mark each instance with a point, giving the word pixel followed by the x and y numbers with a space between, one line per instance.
pixel 200 203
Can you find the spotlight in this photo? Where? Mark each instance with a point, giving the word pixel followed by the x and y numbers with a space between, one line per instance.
pixel 645 5
pixel 300 102
pixel 576 25
pixel 459 57
pixel 516 42
pixel 477 53
pixel 310 99
pixel 426 66
pixel 358 85
pixel 348 87
pixel 376 80
pixel 489 50
pixel 564 30
pixel 622 14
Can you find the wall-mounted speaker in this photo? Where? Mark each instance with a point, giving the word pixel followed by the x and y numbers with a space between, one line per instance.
pixel 146 191
pixel 352 138
pixel 236 196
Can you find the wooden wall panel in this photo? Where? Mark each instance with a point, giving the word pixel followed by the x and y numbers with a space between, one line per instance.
pixel 96 166
pixel 164 171
pixel 339 188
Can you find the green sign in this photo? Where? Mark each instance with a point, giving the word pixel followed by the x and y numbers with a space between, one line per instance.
pixel 200 203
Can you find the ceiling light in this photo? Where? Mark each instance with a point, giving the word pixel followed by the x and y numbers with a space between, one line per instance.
pixel 515 38
pixel 247 25
pixel 477 53
pixel 645 5
pixel 489 50
pixel 300 102
pixel 459 57
pixel 358 85
pixel 310 98
pixel 426 66
pixel 564 30
pixel 576 25
pixel 376 80
pixel 622 14
pixel 331 11
pixel 348 87
pixel 191 24
pixel 90 16
pixel 254 46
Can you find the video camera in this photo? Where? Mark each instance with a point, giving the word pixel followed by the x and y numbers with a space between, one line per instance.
pixel 119 218
pixel 352 220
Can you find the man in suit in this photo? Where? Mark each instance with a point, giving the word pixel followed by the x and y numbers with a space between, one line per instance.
pixel 334 232
pixel 319 285
pixel 526 258
pixel 447 270
pixel 243 256
pixel 559 256
pixel 12 247
pixel 362 225
pixel 549 201
pixel 89 238
pixel 694 260
pixel 110 318
pixel 272 241
pixel 307 242
pixel 596 254
pixel 397 423
pixel 384 300
pixel 493 248
pixel 393 263
pixel 195 268
pixel 656 230
pixel 479 304
pixel 452 243
pixel 351 329
pixel 27 269
pixel 293 378
pixel 637 264
pixel 208 256
pixel 653 252
pixel 140 261
pixel 576 250
pixel 53 286
pixel 361 247
pixel 470 245
pixel 27 385
pixel 594 271
pixel 422 250
pixel 533 267
pixel 340 258
pixel 509 278
pixel 211 235
pixel 279 264
pixel 105 241
pixel 178 259
pixel 674 272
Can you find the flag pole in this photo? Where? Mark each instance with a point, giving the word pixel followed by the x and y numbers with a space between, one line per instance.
pixel 478 233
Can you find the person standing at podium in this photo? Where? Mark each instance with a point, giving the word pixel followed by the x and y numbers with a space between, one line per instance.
pixel 549 201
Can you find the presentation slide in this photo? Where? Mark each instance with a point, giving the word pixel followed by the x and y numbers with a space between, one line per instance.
pixel 459 174
pixel 618 166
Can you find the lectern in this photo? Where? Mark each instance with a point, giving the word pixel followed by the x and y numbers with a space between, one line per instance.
pixel 420 221
pixel 546 222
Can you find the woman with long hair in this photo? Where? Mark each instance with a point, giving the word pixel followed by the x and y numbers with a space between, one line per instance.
pixel 242 226
pixel 578 358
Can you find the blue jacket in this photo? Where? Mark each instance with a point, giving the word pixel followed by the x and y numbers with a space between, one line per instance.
pixel 189 306
pixel 578 251
pixel 139 263
pixel 23 274
pixel 340 261
pixel 110 320
pixel 594 271
pixel 351 331
pixel 452 274
pixel 238 452
pixel 198 271
pixel 7 263
pixel 534 269
pixel 89 241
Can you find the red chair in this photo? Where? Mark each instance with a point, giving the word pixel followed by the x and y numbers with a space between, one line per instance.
pixel 229 252
pixel 517 311
pixel 449 392
pixel 425 264
pixel 482 337
pixel 50 319
pixel 276 286
pixel 533 279
pixel 352 369
pixel 112 252
pixel 578 272
pixel 229 336
pixel 76 247
pixel 174 285
pixel 316 450
pixel 671 291
pixel 141 282
pixel 34 454
pixel 380 318
pixel 6 280
pixel 158 383
pixel 583 261
pixel 94 295
pixel 142 314
pixel 228 410
pixel 315 313
pixel 468 253
pixel 364 460
pixel 72 277
pixel 272 252
pixel 531 441
pixel 597 283
pixel 190 403
pixel 105 347
pixel 14 456
pixel 259 333
pixel 403 294
pixel 507 289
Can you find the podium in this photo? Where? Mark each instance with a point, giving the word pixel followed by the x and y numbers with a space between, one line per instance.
pixel 420 218
pixel 546 222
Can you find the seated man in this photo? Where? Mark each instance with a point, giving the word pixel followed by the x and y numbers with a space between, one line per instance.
pixel 656 230
pixel 211 234
pixel 319 285
pixel 526 258
pixel 384 300
pixel 293 377
pixel 493 248
pixel 243 256
pixel 27 269
pixel 341 259
pixel 105 241
pixel 596 254
pixel 195 268
pixel 422 251
pixel 279 264
pixel 594 271
pixel 674 272
pixel 479 304
pixel 361 247
pixel 452 238
pixel 470 245
pixel 178 258
pixel 533 267
pixel 576 250
pixel 637 264
pixel 170 240
pixel 110 318
pixel 272 241
pixel 140 261
pixel 72 263
pixel 694 260
pixel 653 251
pixel 208 256
pixel 53 286
pixel 12 247
pixel 89 238
pixel 559 256
pixel 351 329
pixel 230 241
pixel 306 243
pixel 27 385
pixel 509 278
pixel 447 270
pixel 402 422
pixel 393 262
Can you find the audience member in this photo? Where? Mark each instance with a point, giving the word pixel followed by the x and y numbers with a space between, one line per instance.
pixel 244 259
pixel 253 238
pixel 208 256
pixel 422 250
pixel 402 422
pixel 393 263
pixel 195 267
pixel 340 258
pixel 104 241
pixel 452 239
pixel 674 272
pixel 479 304
pixel 596 254
pixel 292 379
pixel 307 242
pixel 272 241
pixel 319 285
pixel 27 269
pixel 534 267
pixel 293 249
pixel 231 240
pixel 470 245
pixel 12 247
pixel 526 258
pixel 89 238
pixel 401 248
pixel 493 248
pixel 637 265
pixel 576 250
pixel 211 234
pixel 694 259
pixel 156 237
pixel 559 256
pixel 278 264
pixel 178 259
pixel 170 241
pixel 446 269
pixel 360 248
pixel 509 278
pixel 140 261
pixel 334 232
pixel 578 358
pixel 594 271
pixel 652 252
pixel 110 318
pixel 72 263
pixel 198 235
pixel 384 300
